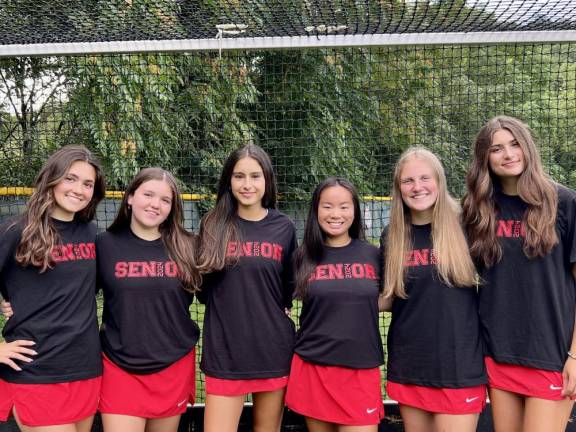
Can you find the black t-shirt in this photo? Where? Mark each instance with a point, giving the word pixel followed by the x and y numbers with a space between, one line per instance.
pixel 56 309
pixel 247 335
pixel 146 324
pixel 434 338
pixel 339 319
pixel 527 305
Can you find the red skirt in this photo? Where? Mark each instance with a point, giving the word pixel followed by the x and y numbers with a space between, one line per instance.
pixel 50 404
pixel 157 395
pixel 467 400
pixel 240 387
pixel 538 383
pixel 335 394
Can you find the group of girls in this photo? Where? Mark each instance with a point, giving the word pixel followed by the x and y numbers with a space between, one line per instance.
pixel 482 299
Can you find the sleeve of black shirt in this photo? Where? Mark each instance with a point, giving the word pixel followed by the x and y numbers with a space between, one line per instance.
pixel 9 239
pixel 288 273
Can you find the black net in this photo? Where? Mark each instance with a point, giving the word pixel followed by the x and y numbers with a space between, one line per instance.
pixel 57 21
pixel 348 112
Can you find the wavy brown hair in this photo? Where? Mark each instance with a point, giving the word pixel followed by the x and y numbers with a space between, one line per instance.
pixel 454 264
pixel 534 188
pixel 180 244
pixel 39 235
pixel 219 226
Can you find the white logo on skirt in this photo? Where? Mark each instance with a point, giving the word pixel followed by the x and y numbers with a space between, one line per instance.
pixel 182 402
pixel 468 400
pixel 370 411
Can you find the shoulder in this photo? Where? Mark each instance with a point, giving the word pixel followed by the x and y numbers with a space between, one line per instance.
pixel 11 230
pixel 367 249
pixel 108 238
pixel 565 195
pixel 279 217
pixel 566 206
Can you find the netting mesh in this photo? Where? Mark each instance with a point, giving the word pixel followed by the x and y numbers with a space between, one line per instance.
pixel 51 21
pixel 348 112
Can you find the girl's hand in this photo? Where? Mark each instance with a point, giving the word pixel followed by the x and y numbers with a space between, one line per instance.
pixel 6 309
pixel 569 378
pixel 10 351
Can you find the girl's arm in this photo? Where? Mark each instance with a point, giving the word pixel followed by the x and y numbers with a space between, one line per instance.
pixel 569 372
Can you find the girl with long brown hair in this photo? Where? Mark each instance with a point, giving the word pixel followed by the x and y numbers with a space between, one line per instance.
pixel 522 231
pixel 435 359
pixel 335 376
pixel 146 268
pixel 50 363
pixel 246 246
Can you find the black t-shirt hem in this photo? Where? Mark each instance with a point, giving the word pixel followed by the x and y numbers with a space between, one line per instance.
pixel 473 382
pixel 245 375
pixel 54 379
pixel 146 371
pixel 529 363
pixel 348 365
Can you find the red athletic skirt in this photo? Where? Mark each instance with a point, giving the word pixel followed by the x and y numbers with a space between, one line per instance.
pixel 335 394
pixel 467 400
pixel 50 404
pixel 157 395
pixel 240 387
pixel 530 382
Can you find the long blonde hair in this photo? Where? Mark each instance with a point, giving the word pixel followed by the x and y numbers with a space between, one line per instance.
pixel 454 264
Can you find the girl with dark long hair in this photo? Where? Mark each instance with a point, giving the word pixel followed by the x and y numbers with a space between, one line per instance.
pixel 246 247
pixel 50 363
pixel 335 377
pixel 146 268
pixel 522 230
pixel 435 358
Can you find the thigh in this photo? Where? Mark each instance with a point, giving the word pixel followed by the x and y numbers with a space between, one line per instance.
pixel 315 425
pixel 368 428
pixel 455 422
pixel 416 420
pixel 123 423
pixel 85 425
pixel 268 410
pixel 222 413
pixel 507 410
pixel 55 428
pixel 546 415
pixel 166 424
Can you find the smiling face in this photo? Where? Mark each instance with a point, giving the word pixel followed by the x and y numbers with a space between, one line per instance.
pixel 506 158
pixel 248 184
pixel 74 192
pixel 151 204
pixel 336 214
pixel 419 189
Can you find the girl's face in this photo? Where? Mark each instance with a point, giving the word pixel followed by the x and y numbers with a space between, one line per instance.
pixel 74 192
pixel 247 183
pixel 151 204
pixel 419 189
pixel 506 158
pixel 336 214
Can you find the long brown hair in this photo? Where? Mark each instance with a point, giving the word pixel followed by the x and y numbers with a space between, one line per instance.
pixel 219 226
pixel 534 188
pixel 39 235
pixel 180 244
pixel 454 264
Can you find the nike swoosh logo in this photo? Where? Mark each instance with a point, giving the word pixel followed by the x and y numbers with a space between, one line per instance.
pixel 181 403
pixel 370 411
pixel 468 400
pixel 553 387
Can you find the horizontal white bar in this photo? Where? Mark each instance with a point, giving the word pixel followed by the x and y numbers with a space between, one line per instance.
pixel 285 42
